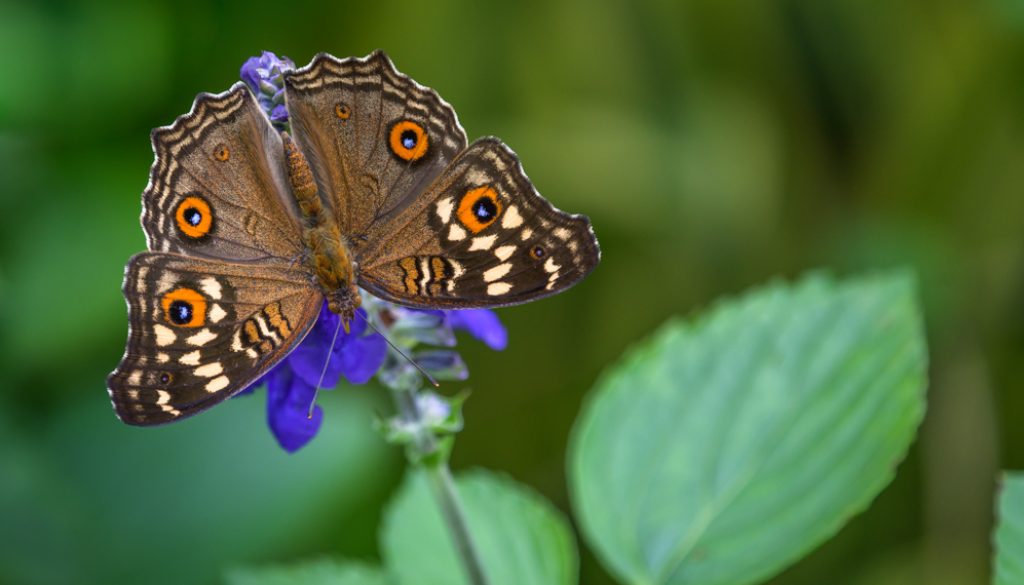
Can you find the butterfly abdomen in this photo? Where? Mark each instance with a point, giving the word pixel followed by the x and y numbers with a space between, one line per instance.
pixel 327 253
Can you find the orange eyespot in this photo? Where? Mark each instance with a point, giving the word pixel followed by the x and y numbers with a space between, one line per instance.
pixel 221 152
pixel 184 307
pixel 479 208
pixel 194 217
pixel 537 252
pixel 408 140
pixel 342 111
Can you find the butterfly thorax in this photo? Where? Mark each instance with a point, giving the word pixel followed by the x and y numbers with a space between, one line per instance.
pixel 327 253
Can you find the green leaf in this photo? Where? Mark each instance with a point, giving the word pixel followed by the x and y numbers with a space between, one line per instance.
pixel 319 572
pixel 1009 536
pixel 723 449
pixel 522 539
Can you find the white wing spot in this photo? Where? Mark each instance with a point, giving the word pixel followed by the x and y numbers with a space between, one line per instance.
pixel 550 265
pixel 512 219
pixel 217 384
pixel 424 272
pixel 135 377
pixel 444 209
pixel 265 328
pixel 482 243
pixel 562 233
pixel 456 233
pixel 504 252
pixel 164 336
pixel 140 284
pixel 190 359
pixel 497 272
pixel 211 287
pixel 498 288
pixel 551 280
pixel 162 357
pixel 162 399
pixel 526 234
pixel 208 370
pixel 457 271
pixel 167 280
pixel 217 313
pixel 202 338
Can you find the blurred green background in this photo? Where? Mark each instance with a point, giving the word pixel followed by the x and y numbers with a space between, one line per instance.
pixel 715 144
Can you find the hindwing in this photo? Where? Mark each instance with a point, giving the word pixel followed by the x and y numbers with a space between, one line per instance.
pixel 201 331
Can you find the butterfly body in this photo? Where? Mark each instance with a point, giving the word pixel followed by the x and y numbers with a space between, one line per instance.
pixel 375 188
pixel 327 253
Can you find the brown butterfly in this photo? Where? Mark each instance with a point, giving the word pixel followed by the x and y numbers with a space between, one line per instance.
pixel 250 230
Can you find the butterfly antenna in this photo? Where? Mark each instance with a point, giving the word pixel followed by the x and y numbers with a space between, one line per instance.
pixel 323 372
pixel 430 378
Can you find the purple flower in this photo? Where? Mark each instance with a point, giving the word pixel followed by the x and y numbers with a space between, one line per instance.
pixel 292 384
pixel 482 324
pixel 288 400
pixel 263 74
pixel 357 356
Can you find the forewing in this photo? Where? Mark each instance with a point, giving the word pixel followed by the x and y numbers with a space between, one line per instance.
pixel 201 331
pixel 218 185
pixel 480 237
pixel 374 138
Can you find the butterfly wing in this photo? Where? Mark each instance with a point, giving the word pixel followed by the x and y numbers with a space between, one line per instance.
pixel 218 186
pixel 374 138
pixel 200 331
pixel 480 236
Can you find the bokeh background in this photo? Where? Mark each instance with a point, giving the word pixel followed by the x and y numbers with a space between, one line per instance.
pixel 715 144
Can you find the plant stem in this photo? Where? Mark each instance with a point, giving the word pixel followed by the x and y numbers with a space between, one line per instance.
pixel 443 486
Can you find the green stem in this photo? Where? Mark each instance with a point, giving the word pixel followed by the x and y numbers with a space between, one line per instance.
pixel 445 492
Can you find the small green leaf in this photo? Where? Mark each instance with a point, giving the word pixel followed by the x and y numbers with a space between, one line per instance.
pixel 319 572
pixel 724 449
pixel 522 539
pixel 1009 536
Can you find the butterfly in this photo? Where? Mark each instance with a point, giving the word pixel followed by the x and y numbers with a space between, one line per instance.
pixel 250 230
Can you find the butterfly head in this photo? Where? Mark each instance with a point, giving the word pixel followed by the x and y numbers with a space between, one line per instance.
pixel 344 302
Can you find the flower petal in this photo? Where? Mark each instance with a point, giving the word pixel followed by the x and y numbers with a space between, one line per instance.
pixel 288 400
pixel 250 73
pixel 279 114
pixel 482 324
pixel 308 359
pixel 361 357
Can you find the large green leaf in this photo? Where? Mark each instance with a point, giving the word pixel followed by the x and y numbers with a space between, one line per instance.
pixel 723 449
pixel 319 572
pixel 1009 537
pixel 521 538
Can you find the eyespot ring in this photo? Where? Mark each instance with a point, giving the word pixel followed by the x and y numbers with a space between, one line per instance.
pixel 479 208
pixel 342 111
pixel 538 252
pixel 194 217
pixel 408 140
pixel 184 307
pixel 221 152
